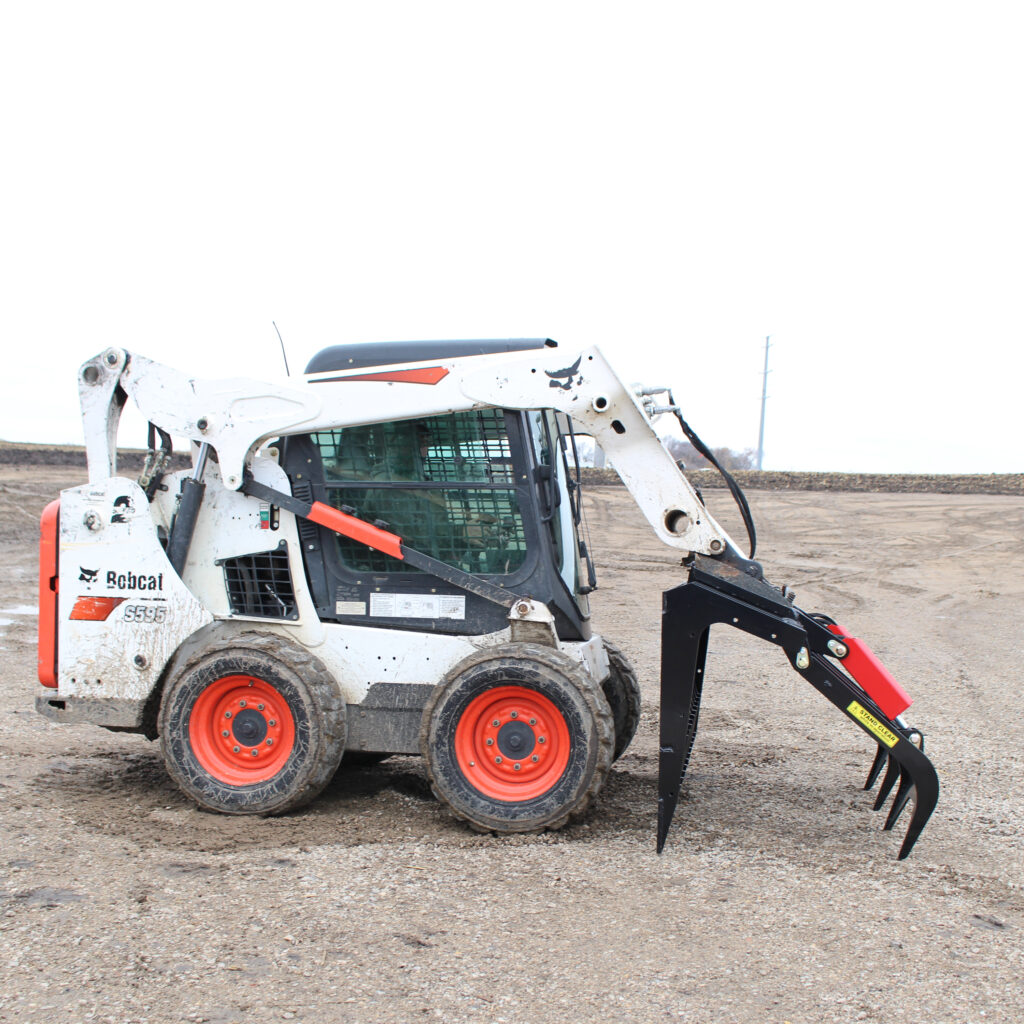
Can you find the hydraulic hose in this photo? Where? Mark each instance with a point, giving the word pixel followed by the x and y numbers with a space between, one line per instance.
pixel 734 488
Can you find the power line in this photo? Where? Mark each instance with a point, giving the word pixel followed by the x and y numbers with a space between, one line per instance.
pixel 764 399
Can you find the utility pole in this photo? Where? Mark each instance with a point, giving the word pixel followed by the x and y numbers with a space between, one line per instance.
pixel 764 399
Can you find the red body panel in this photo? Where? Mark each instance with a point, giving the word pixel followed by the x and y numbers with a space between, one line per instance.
pixel 49 584
pixel 94 609
pixel 872 676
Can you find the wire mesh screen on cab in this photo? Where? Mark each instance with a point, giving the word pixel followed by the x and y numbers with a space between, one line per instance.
pixel 444 484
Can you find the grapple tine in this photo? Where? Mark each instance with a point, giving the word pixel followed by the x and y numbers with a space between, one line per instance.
pixel 892 773
pixel 903 794
pixel 876 766
pixel 683 653
pixel 926 796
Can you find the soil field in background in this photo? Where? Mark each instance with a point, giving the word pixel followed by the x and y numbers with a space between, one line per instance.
pixel 867 483
pixel 73 456
pixel 778 897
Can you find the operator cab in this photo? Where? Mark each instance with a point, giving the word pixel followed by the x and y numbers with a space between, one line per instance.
pixel 492 492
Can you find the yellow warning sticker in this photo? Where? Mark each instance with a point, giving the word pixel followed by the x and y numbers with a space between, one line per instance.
pixel 872 724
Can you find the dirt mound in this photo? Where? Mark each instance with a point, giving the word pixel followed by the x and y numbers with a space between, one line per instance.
pixel 131 459
pixel 877 483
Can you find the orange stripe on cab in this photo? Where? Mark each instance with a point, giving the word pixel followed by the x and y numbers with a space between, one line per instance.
pixel 423 375
pixel 350 526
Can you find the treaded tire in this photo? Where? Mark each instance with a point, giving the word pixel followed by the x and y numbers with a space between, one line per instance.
pixel 549 706
pixel 622 691
pixel 283 676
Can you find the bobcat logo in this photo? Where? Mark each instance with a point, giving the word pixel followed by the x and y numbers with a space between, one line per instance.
pixel 87 575
pixel 568 373
pixel 122 504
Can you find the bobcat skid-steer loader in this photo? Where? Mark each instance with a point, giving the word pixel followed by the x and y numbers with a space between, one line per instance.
pixel 385 556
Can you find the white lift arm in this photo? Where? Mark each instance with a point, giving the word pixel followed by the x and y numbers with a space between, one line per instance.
pixel 238 415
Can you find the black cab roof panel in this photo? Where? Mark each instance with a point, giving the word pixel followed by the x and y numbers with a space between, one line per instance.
pixel 387 353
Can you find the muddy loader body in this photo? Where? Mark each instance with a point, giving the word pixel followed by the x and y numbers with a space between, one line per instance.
pixel 388 555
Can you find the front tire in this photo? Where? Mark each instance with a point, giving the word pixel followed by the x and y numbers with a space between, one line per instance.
pixel 252 725
pixel 517 738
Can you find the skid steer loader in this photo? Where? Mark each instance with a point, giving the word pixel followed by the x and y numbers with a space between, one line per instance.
pixel 386 556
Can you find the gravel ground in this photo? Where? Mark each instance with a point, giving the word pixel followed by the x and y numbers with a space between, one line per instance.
pixel 778 897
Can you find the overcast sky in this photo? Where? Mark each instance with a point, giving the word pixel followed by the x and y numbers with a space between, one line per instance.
pixel 669 181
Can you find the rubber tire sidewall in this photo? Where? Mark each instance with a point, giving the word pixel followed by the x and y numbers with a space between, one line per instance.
pixel 622 691
pixel 577 698
pixel 312 697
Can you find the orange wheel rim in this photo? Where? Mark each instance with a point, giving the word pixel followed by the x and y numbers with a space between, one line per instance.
pixel 241 730
pixel 512 744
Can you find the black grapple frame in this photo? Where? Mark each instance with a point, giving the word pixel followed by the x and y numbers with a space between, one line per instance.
pixel 840 667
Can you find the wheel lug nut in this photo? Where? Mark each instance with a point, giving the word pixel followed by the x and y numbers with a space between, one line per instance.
pixel 540 739
pixel 272 722
pixel 533 721
pixel 515 714
pixel 259 707
pixel 241 703
pixel 236 749
pixel 270 743
pixel 490 741
pixel 227 714
pixel 516 767
pixel 254 752
pixel 496 723
pixel 497 760
pixel 225 733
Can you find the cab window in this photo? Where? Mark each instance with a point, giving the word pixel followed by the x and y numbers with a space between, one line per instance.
pixel 444 484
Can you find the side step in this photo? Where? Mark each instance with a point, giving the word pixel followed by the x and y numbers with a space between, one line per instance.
pixel 720 592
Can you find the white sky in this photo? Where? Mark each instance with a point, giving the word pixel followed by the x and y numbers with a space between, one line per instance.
pixel 670 181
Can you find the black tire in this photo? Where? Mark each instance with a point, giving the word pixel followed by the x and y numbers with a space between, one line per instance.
pixel 565 718
pixel 283 676
pixel 622 691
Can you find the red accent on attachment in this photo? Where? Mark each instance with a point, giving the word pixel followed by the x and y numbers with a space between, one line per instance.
pixel 423 375
pixel 49 585
pixel 350 526
pixel 871 675
pixel 94 609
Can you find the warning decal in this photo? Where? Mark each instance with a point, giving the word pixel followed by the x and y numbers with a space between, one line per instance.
pixel 417 606
pixel 872 724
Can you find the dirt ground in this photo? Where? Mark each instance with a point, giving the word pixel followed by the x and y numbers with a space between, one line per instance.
pixel 778 897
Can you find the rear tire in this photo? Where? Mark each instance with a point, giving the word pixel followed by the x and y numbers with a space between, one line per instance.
pixel 283 716
pixel 622 691
pixel 545 760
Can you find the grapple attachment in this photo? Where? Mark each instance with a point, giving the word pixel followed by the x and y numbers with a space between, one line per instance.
pixel 839 666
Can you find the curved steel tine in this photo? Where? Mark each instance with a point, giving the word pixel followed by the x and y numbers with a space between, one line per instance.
pixel 903 794
pixel 892 773
pixel 926 796
pixel 876 766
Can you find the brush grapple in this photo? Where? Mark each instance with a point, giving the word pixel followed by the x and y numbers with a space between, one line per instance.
pixel 836 664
